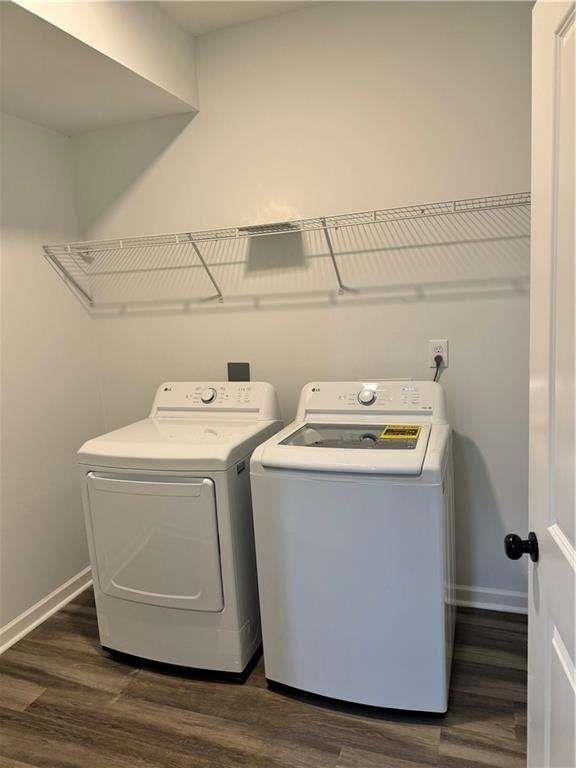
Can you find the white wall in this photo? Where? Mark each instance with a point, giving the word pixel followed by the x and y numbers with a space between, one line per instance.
pixel 139 35
pixel 333 108
pixel 50 392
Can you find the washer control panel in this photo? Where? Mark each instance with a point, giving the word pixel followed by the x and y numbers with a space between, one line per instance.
pixel 425 398
pixel 178 398
pixel 409 396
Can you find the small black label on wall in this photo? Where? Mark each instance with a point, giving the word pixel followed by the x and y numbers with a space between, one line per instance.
pixel 238 371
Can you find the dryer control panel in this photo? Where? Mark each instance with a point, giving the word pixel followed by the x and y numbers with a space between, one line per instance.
pixel 177 399
pixel 358 398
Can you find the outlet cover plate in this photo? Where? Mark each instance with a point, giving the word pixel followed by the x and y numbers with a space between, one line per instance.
pixel 438 347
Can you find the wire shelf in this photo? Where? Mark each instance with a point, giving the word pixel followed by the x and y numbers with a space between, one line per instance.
pixel 341 253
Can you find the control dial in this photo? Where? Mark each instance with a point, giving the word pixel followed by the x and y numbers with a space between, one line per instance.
pixel 208 395
pixel 366 396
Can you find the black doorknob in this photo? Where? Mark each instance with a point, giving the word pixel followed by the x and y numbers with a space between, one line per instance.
pixel 516 547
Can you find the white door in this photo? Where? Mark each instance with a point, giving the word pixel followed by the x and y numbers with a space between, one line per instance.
pixel 552 594
pixel 156 541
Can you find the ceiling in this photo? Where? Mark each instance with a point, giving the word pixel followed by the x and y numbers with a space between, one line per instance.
pixel 197 18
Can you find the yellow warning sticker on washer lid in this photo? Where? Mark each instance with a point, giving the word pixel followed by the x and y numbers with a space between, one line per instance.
pixel 400 432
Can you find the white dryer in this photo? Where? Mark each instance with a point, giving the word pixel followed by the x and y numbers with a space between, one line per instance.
pixel 354 521
pixel 169 523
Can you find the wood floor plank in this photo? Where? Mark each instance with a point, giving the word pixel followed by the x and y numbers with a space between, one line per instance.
pixel 496 682
pixel 521 724
pixel 502 635
pixel 66 742
pixel 359 758
pixel 46 665
pixel 481 715
pixel 221 740
pixel 6 762
pixel 508 638
pixel 500 627
pixel 179 733
pixel 484 618
pixel 76 706
pixel 258 676
pixel 491 656
pixel 315 725
pixel 16 693
pixel 459 750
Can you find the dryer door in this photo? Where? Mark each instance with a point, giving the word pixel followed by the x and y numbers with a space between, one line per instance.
pixel 156 540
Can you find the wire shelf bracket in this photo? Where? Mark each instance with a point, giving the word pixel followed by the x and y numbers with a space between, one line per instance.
pixel 341 287
pixel 219 295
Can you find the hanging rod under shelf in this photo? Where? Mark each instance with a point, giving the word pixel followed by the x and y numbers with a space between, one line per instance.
pixel 79 262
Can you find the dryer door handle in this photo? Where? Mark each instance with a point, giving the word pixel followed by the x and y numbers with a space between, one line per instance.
pixel 150 485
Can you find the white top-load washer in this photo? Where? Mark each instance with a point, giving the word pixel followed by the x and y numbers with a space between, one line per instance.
pixel 353 518
pixel 169 523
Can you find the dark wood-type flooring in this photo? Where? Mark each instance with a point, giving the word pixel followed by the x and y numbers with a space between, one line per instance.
pixel 64 702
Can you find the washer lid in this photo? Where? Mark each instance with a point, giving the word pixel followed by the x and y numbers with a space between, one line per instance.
pixel 177 444
pixel 383 449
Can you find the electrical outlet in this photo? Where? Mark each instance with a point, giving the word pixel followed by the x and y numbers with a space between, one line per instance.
pixel 438 347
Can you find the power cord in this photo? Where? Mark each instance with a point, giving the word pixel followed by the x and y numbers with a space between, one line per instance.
pixel 438 359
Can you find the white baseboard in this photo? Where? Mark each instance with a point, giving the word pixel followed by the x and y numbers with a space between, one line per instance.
pixel 28 620
pixel 474 597
pixel 492 599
